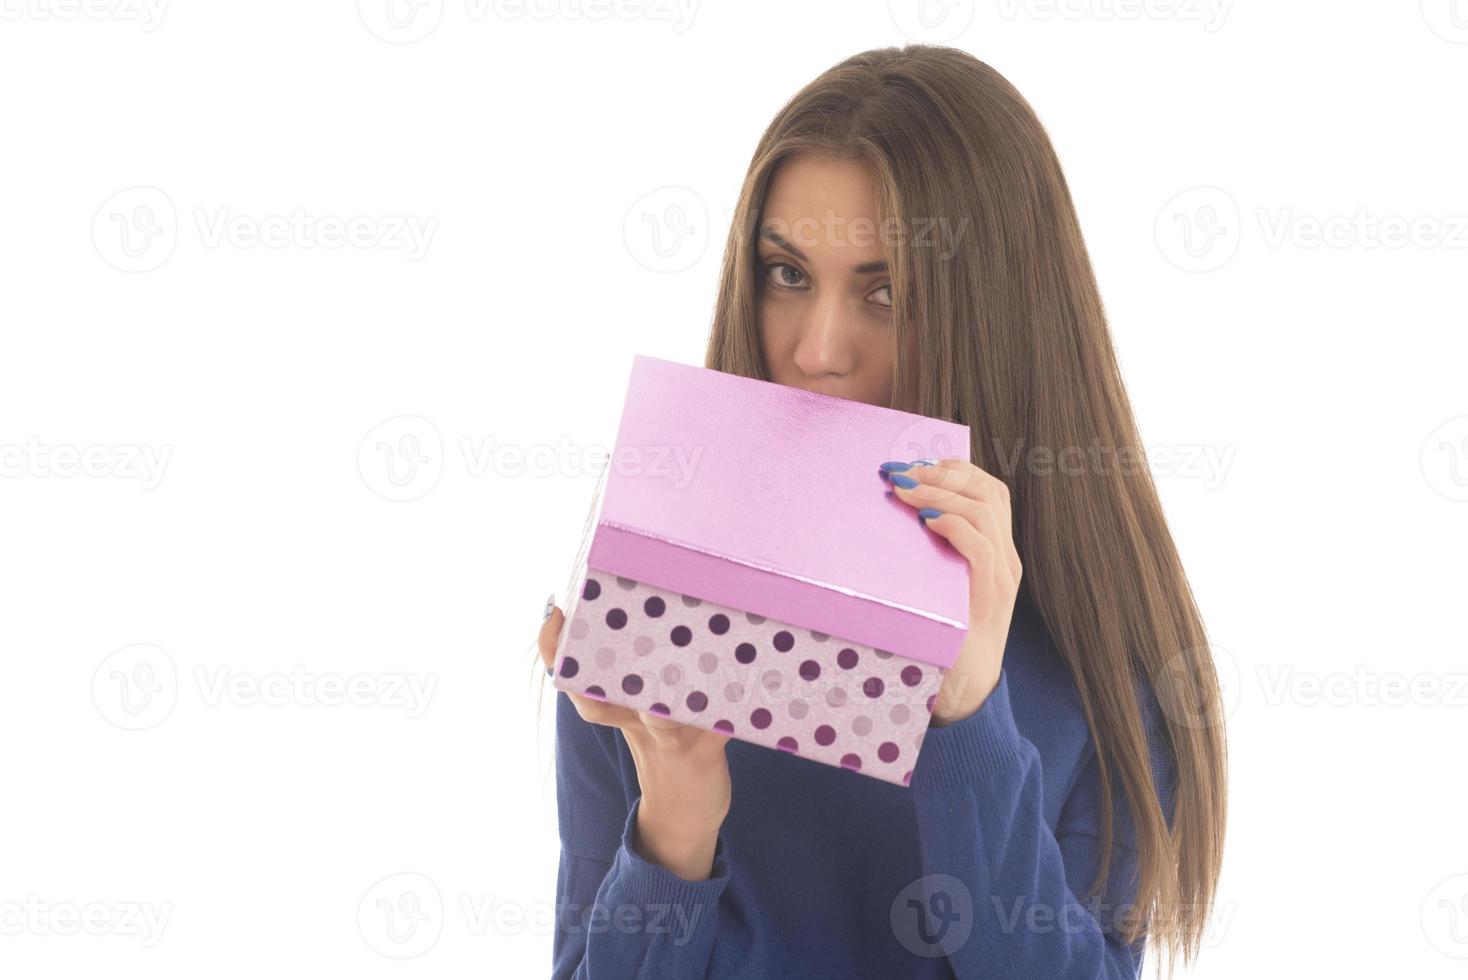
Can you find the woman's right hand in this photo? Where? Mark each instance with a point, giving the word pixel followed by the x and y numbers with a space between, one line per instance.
pixel 682 769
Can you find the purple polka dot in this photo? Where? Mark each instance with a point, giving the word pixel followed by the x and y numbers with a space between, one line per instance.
pixel 851 761
pixel 907 778
pixel 847 659
pixel 654 606
pixel 887 752
pixel 595 691
pixel 754 618
pixel 873 687
pixel 661 709
pixel 697 701
pixel 627 583
pixel 682 636
pixel 569 666
pixel 883 654
pixel 718 624
pixel 725 726
pixel 810 670
pixel 760 718
pixel 591 589
pixel 616 618
pixel 744 653
pixel 819 637
pixel 632 684
pixel 784 641
pixel 690 601
pixel 787 744
pixel 825 735
pixel 912 675
pixel 932 700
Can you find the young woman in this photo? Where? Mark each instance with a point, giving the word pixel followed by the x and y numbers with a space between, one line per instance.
pixel 905 237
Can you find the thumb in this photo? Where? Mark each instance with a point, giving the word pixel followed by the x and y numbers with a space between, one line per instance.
pixel 550 631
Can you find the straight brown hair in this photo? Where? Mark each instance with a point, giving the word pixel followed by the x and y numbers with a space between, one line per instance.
pixel 1001 328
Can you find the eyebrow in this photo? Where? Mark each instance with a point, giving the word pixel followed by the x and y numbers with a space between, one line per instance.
pixel 774 236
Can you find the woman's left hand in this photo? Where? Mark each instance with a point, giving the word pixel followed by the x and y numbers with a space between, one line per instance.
pixel 973 513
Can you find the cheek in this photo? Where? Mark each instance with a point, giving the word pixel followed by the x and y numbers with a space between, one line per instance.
pixel 878 358
pixel 774 328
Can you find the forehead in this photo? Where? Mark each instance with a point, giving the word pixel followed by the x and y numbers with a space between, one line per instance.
pixel 812 200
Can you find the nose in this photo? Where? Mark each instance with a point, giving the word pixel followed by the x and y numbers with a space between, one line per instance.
pixel 825 346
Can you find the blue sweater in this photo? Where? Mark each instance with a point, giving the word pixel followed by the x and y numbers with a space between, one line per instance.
pixel 972 871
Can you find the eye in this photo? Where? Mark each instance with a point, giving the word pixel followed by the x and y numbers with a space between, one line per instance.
pixel 887 302
pixel 781 280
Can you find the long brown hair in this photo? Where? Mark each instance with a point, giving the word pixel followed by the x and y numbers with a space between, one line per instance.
pixel 1003 330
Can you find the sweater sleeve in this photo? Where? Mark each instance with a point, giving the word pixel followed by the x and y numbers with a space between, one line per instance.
pixel 619 915
pixel 987 849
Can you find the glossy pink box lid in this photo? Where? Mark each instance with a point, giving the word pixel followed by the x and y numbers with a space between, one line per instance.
pixel 767 498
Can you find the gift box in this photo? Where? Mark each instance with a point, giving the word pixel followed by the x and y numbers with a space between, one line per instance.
pixel 744 569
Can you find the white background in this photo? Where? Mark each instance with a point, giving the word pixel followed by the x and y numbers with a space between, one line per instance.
pixel 207 439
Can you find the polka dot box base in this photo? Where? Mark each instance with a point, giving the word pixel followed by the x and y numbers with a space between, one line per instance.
pixel 756 679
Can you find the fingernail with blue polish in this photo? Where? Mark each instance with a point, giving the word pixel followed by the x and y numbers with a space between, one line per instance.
pixel 886 470
pixel 925 462
pixel 550 672
pixel 927 514
pixel 905 482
